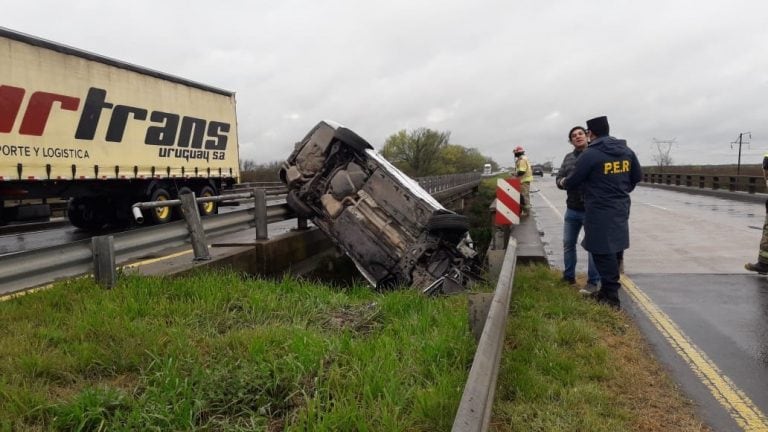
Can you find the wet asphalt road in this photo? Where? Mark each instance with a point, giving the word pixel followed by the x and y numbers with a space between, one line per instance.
pixel 685 285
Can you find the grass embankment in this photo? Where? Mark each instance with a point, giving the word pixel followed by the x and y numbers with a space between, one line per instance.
pixel 573 365
pixel 221 352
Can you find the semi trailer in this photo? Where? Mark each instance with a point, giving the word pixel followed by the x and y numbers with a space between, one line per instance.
pixel 103 134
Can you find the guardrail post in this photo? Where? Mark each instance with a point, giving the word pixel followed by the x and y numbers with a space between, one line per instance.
pixel 260 213
pixel 195 226
pixel 751 186
pixel 499 234
pixel 104 260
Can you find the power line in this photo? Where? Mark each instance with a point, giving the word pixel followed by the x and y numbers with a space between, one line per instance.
pixel 663 147
pixel 740 142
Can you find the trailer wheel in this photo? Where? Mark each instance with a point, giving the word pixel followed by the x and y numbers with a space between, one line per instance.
pixel 208 208
pixel 160 215
pixel 85 214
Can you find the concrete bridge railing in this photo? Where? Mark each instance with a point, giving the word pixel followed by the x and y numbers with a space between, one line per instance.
pixel 732 183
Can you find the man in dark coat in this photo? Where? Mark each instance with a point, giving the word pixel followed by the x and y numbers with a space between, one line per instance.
pixel 608 171
pixel 573 220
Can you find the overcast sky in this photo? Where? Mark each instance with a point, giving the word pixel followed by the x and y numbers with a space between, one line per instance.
pixel 494 73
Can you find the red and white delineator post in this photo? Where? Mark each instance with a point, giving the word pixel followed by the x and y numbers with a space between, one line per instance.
pixel 508 201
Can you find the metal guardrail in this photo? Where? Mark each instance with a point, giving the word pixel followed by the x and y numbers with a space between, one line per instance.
pixel 474 413
pixel 735 183
pixel 27 269
pixel 434 184
pixel 39 266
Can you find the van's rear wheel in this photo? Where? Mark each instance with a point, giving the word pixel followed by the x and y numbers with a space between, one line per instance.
pixel 352 139
pixel 298 206
pixel 451 227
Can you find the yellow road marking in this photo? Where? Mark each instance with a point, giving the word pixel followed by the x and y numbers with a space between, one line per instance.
pixel 739 406
pixel 154 260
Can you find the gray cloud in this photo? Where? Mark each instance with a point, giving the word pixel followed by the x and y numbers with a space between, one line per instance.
pixel 493 73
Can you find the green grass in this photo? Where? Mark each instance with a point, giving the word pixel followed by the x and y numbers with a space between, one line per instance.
pixel 219 351
pixel 557 366
pixel 222 352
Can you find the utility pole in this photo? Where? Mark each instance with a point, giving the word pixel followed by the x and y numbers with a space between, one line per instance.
pixel 739 142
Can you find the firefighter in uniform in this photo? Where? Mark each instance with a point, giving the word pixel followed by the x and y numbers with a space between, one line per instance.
pixel 761 266
pixel 524 172
pixel 608 171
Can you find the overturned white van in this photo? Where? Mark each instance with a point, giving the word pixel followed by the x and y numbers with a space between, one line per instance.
pixel 392 229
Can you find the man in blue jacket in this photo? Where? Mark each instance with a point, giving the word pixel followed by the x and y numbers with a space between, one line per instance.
pixel 608 171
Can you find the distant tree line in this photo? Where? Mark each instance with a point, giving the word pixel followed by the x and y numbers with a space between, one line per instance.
pixel 418 153
pixel 250 171
pixel 424 152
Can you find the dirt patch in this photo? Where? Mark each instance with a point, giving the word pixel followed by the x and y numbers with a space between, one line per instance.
pixel 361 319
pixel 643 387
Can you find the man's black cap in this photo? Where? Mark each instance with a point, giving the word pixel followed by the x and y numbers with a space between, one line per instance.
pixel 598 126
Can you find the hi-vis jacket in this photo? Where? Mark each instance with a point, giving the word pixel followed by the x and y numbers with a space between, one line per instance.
pixel 522 165
pixel 609 171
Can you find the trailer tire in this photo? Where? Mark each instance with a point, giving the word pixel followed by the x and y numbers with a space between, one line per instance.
pixel 85 214
pixel 209 208
pixel 160 215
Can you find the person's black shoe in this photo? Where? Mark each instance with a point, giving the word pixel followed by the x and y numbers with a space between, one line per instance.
pixel 601 298
pixel 569 281
pixel 757 267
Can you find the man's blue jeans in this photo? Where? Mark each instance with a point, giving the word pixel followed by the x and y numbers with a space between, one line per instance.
pixel 572 224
